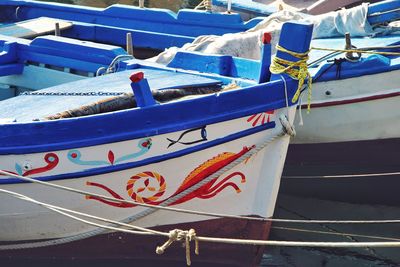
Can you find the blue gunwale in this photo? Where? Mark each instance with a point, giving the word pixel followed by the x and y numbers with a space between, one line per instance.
pixel 143 18
pixel 140 163
pixel 33 137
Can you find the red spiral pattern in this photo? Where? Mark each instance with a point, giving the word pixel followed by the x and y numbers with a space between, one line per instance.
pixel 134 192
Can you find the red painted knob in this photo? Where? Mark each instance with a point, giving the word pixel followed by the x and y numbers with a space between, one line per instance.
pixel 266 39
pixel 137 77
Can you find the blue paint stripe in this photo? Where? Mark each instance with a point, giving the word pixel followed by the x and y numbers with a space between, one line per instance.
pixel 120 167
pixel 133 124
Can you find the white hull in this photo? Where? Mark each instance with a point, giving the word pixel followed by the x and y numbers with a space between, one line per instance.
pixel 257 178
pixel 360 108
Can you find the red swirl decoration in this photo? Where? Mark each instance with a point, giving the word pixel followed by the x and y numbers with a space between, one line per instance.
pixel 205 191
pixel 52 161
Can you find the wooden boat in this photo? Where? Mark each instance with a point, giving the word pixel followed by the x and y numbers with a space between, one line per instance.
pixel 353 110
pixel 163 154
pixel 152 30
pixel 258 8
pixel 28 27
pixel 346 150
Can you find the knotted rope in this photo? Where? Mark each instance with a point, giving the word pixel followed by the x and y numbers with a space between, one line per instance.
pixel 368 50
pixel 207 4
pixel 297 70
pixel 183 236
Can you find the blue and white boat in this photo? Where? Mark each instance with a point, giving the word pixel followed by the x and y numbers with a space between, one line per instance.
pixel 221 152
pixel 152 30
pixel 346 149
pixel 33 58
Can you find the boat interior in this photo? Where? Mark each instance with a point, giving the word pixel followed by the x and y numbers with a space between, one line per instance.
pixel 46 44
pixel 41 63
pixel 57 54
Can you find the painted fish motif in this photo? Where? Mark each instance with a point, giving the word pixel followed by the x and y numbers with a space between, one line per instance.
pixel 185 134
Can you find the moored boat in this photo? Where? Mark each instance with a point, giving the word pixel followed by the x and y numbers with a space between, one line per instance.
pixel 151 29
pixel 256 8
pixel 346 150
pixel 220 152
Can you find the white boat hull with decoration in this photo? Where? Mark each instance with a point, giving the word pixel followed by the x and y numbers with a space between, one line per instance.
pixel 204 139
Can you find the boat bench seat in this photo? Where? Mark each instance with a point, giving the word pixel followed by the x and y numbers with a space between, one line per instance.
pixel 34 27
pixel 218 64
pixel 58 51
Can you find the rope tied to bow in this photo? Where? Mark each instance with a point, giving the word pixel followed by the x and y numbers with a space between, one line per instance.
pixel 297 70
pixel 183 236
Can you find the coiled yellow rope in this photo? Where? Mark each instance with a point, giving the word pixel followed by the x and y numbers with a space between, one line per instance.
pixel 296 69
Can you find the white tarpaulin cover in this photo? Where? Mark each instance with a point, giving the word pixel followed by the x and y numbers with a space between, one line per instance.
pixel 247 44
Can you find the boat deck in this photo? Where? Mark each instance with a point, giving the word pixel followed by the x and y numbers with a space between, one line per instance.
pixel 359 42
pixel 25 108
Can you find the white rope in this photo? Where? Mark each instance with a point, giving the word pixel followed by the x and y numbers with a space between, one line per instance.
pixel 341 175
pixel 187 236
pixel 209 214
pixel 151 208
pixel 332 233
pixel 336 53
pixel 58 208
pixel 299 243
pixel 207 4
pixel 206 180
pixel 286 127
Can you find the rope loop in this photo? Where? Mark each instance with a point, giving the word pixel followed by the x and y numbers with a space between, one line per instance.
pixel 297 70
pixel 183 236
pixel 206 4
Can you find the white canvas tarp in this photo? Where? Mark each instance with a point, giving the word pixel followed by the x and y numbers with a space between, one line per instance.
pixel 247 44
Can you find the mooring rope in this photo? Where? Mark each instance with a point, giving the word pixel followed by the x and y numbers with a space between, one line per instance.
pixel 339 175
pixel 151 208
pixel 190 235
pixel 207 4
pixel 298 70
pixel 333 233
pixel 363 50
pixel 209 214
pixel 369 49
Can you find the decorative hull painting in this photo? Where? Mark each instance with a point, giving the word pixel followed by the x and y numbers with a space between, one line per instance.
pixel 149 170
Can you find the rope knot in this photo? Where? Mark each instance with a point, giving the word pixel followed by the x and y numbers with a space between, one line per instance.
pixel 296 70
pixel 183 236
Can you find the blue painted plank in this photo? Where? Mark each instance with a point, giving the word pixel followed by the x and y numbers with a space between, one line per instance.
pixel 8 53
pixel 248 6
pixel 218 64
pixel 59 51
pixel 117 36
pixel 203 63
pixel 11 69
pixel 383 6
pixel 384 17
pixel 159 20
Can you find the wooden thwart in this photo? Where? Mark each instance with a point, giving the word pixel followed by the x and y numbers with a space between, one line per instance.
pixel 35 27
